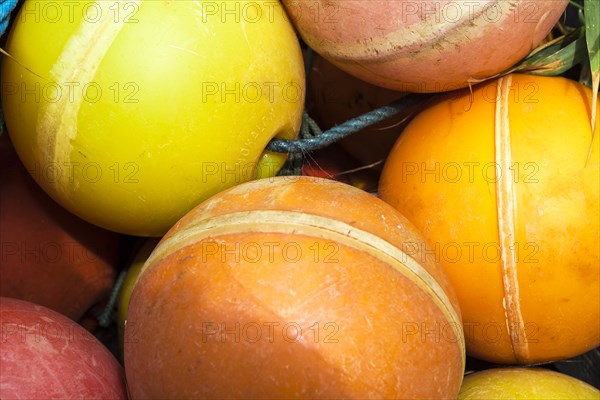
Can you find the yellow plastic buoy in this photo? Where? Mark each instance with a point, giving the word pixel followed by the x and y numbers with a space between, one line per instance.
pixel 524 384
pixel 129 113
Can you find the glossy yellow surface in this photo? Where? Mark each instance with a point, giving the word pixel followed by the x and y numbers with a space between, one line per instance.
pixel 444 174
pixel 524 384
pixel 129 113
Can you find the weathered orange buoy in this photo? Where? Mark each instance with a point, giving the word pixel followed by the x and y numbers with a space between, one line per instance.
pixel 292 288
pixel 424 45
pixel 49 256
pixel 504 186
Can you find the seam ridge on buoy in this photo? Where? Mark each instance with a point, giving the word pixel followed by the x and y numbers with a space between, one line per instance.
pixel 76 66
pixel 506 203
pixel 270 221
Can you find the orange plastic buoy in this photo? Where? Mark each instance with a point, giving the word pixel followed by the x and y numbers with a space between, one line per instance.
pixel 49 256
pixel 424 45
pixel 504 186
pixel 292 288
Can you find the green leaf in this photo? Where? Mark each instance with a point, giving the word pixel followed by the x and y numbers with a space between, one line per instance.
pixel 592 36
pixel 556 56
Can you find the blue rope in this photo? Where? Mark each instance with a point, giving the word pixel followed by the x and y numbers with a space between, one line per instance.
pixel 6 6
pixel 319 140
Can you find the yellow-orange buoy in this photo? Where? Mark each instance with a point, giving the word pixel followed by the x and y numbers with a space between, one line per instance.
pixel 524 384
pixel 292 288
pixel 504 186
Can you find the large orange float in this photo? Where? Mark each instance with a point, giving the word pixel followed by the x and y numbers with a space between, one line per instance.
pixel 292 288
pixel 503 183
